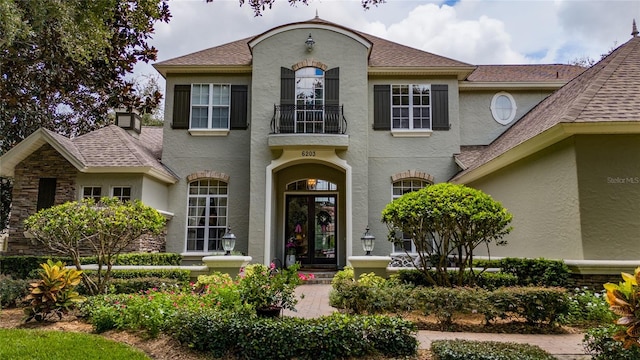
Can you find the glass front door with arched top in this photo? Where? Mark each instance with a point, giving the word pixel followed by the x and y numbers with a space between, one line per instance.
pixel 311 229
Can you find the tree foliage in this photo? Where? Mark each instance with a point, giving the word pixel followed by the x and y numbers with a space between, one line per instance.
pixel 105 228
pixel 63 63
pixel 447 223
pixel 259 6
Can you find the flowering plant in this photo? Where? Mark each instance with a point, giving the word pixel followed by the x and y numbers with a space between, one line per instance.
pixel 269 288
pixel 291 247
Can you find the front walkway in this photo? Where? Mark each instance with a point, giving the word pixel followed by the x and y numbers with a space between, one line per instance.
pixel 566 346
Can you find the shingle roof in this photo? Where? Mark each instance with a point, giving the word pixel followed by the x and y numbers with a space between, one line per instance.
pixel 525 73
pixel 609 91
pixel 384 53
pixel 112 146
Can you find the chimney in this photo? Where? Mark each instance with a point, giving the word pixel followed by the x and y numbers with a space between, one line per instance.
pixel 130 121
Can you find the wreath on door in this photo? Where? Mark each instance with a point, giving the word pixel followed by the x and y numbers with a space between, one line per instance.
pixel 324 219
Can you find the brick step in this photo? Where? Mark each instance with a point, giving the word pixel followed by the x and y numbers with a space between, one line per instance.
pixel 320 277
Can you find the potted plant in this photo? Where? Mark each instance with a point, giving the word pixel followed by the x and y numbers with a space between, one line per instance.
pixel 291 249
pixel 268 289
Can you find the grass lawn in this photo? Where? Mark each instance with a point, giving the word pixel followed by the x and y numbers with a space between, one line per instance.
pixel 36 344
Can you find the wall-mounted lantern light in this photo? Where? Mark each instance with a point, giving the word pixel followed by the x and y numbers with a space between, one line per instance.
pixel 309 43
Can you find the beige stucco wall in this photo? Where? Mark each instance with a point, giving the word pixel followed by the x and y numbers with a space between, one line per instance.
pixel 609 173
pixel 155 194
pixel 185 154
pixel 389 155
pixel 285 49
pixel 541 191
pixel 477 126
pixel 108 181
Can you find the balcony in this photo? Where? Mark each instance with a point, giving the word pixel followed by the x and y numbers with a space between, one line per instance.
pixel 308 126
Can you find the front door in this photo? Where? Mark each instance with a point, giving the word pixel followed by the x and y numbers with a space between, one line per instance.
pixel 311 229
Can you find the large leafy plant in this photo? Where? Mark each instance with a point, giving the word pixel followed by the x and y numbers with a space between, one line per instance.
pixel 54 293
pixel 624 301
pixel 267 288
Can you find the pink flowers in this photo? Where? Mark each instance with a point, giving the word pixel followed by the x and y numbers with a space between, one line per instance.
pixel 306 277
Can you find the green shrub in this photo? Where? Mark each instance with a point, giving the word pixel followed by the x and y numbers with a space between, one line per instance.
pixel 20 267
pixel 445 302
pixel 135 285
pixel 599 343
pixel 537 272
pixel 536 305
pixel 587 308
pixel 176 274
pixel 486 350
pixel 12 291
pixel 371 294
pixel 484 263
pixel 331 337
pixel 484 280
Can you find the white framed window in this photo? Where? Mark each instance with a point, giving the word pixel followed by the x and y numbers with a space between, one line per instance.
pixel 210 104
pixel 503 108
pixel 400 188
pixel 411 107
pixel 309 117
pixel 92 192
pixel 123 193
pixel 206 215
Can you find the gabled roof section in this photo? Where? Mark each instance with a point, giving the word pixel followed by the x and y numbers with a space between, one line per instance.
pixel 107 150
pixel 604 99
pixel 384 55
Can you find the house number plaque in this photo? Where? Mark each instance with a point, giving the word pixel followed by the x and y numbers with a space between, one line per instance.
pixel 308 153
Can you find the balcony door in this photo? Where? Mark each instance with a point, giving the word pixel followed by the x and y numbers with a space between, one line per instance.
pixel 311 226
pixel 309 117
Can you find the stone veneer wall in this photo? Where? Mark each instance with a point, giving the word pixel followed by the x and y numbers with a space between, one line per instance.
pixel 45 162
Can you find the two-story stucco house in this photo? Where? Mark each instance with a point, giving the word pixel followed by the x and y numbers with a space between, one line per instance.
pixel 303 134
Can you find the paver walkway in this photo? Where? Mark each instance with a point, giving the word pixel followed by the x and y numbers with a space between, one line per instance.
pixel 565 346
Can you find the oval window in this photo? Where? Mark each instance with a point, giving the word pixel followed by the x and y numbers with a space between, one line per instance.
pixel 503 108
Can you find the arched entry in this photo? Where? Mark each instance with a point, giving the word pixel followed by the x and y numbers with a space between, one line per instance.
pixel 311 214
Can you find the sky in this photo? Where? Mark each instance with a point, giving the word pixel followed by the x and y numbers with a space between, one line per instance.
pixel 473 31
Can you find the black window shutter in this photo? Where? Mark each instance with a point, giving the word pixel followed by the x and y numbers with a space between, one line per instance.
pixel 46 193
pixel 181 106
pixel 332 87
pixel 440 107
pixel 239 102
pixel 287 86
pixel 381 107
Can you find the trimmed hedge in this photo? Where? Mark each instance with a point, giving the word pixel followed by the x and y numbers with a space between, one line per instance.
pixel 486 350
pixel 484 280
pixel 537 272
pixel 325 338
pixel 12 291
pixel 20 267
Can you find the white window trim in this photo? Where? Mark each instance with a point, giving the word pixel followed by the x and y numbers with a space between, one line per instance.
pixel 514 108
pixel 121 186
pixel 187 252
pixel 82 197
pixel 420 132
pixel 411 133
pixel 209 130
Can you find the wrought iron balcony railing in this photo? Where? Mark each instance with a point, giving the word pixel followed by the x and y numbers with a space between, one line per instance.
pixel 308 119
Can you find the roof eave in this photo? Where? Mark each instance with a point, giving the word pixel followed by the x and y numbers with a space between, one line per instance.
pixel 33 142
pixel 549 137
pixel 143 170
pixel 461 72
pixel 164 70
pixel 511 85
